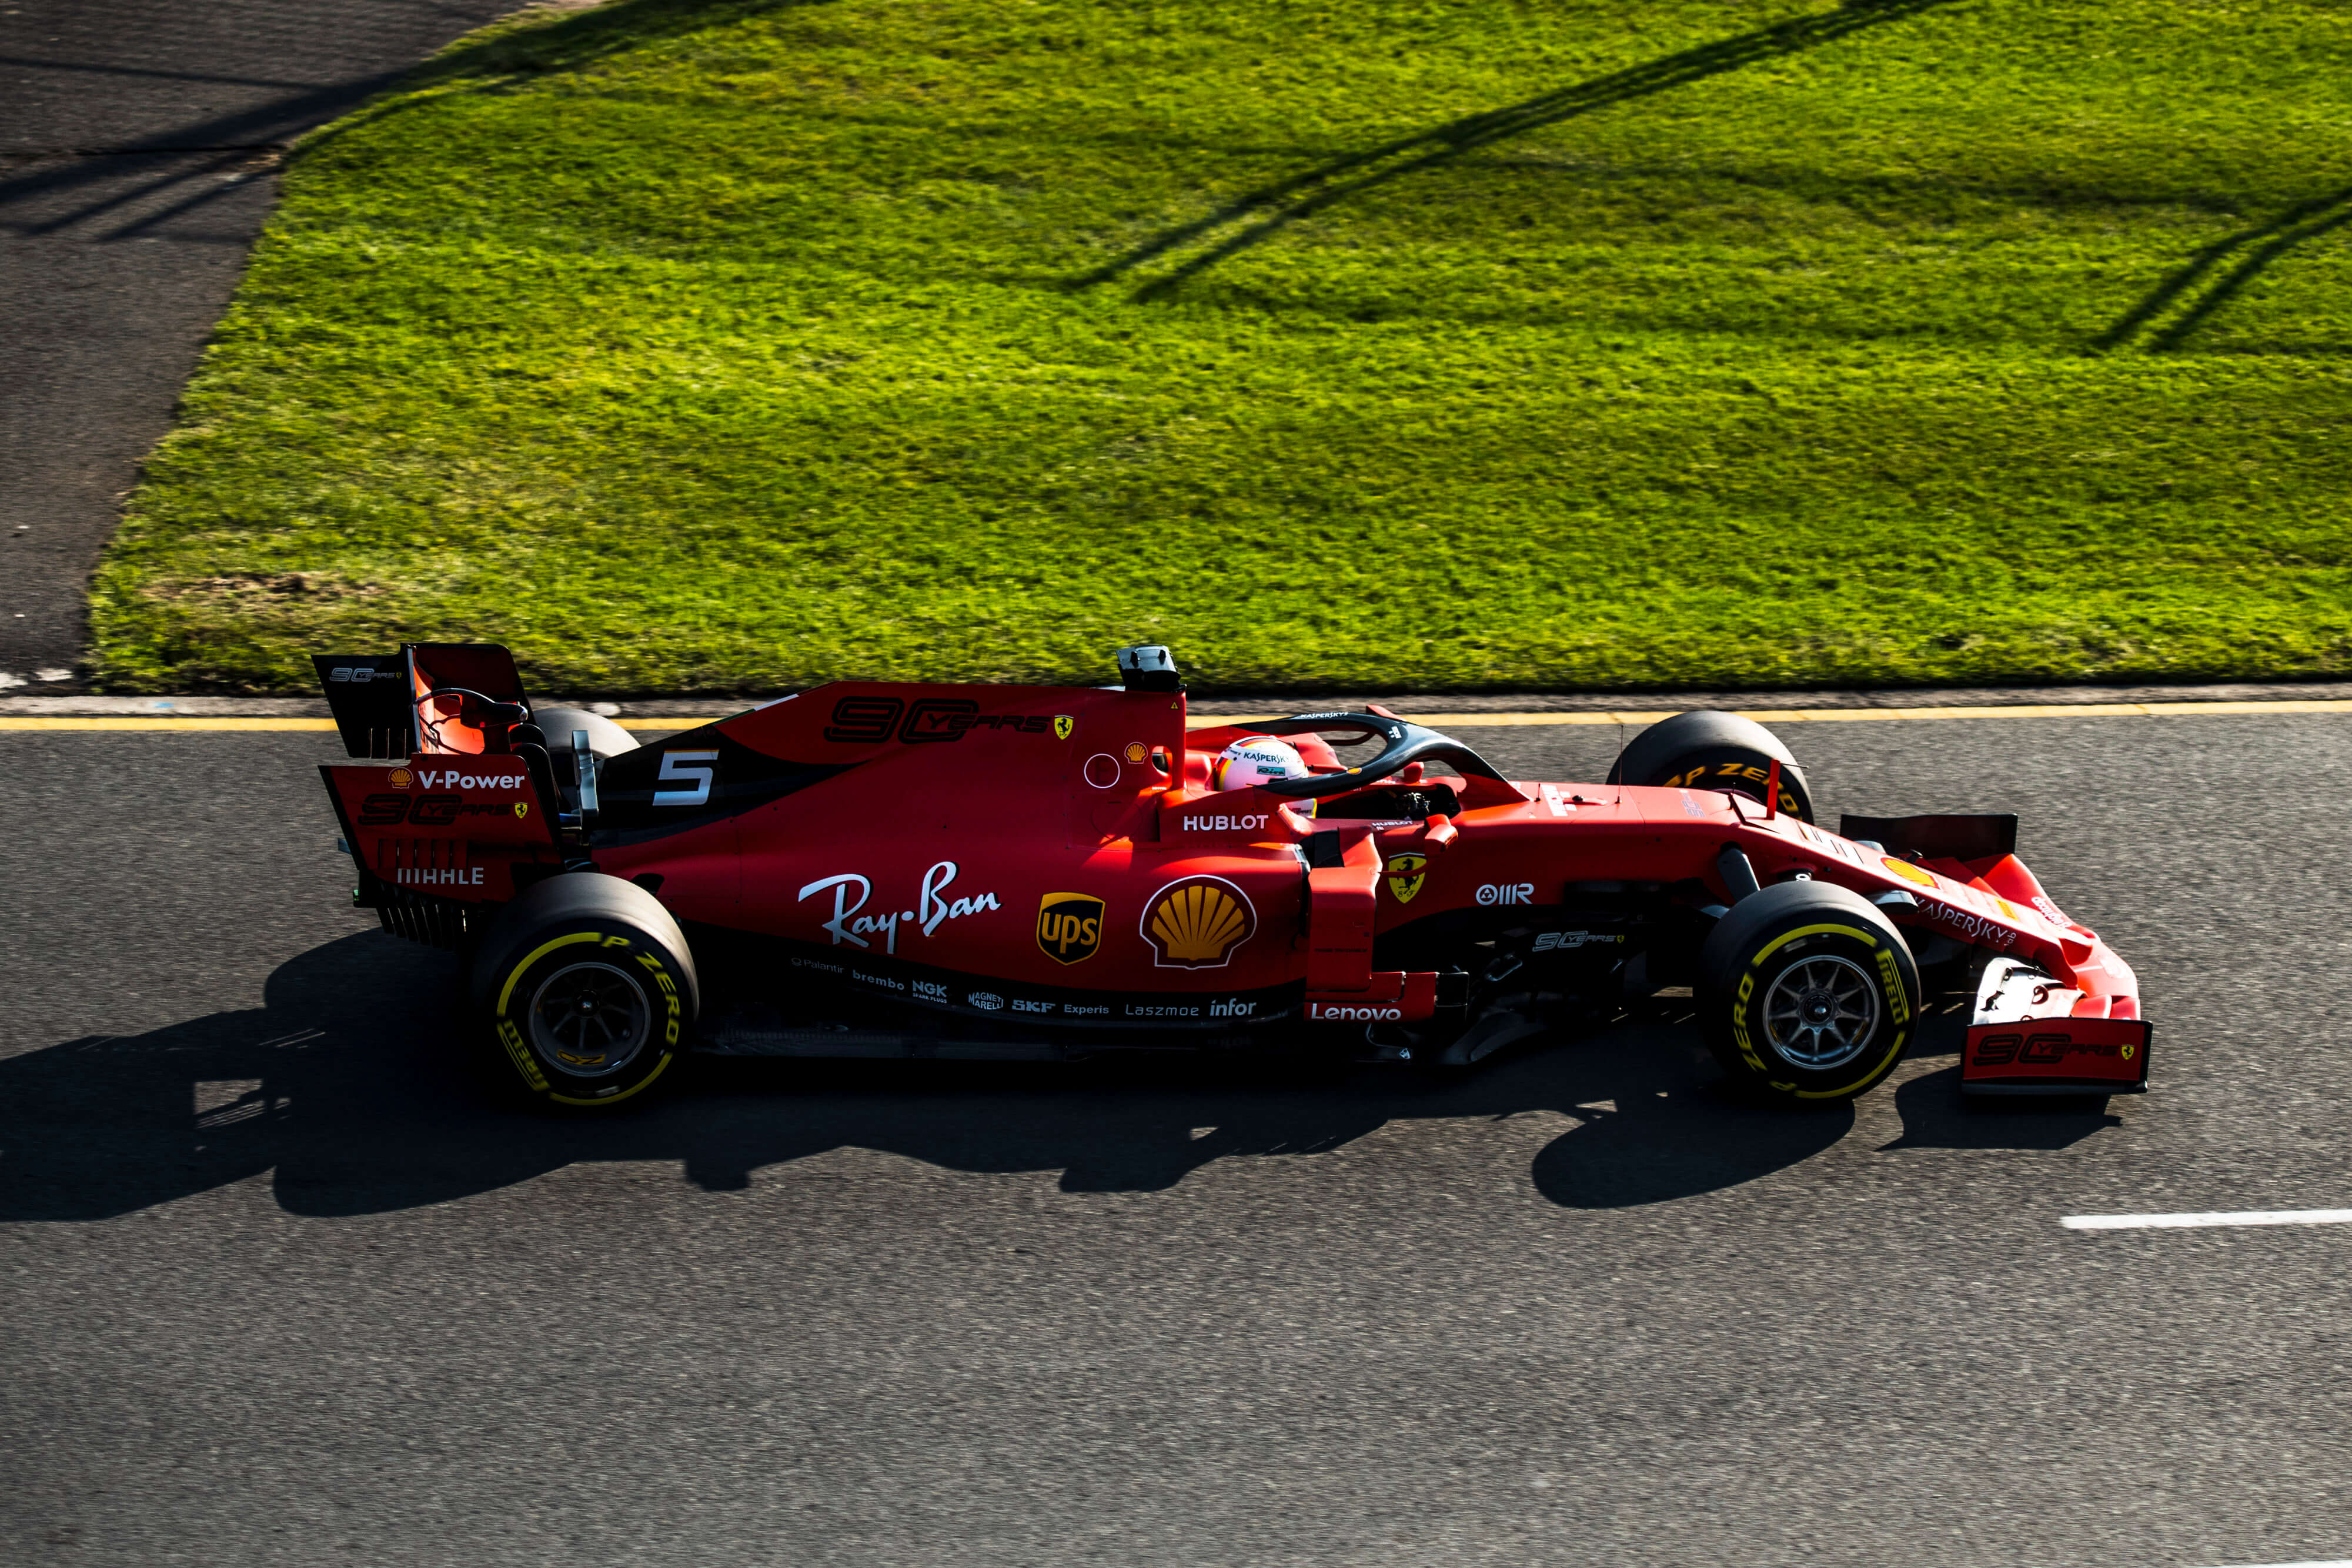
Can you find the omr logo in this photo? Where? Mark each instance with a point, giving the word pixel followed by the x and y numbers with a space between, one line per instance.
pixel 1069 926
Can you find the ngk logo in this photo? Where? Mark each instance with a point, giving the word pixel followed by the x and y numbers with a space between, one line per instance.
pixel 1506 892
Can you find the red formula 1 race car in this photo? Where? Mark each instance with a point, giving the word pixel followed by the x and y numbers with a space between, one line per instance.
pixel 873 869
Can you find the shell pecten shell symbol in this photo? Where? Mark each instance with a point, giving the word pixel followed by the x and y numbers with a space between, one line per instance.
pixel 1198 923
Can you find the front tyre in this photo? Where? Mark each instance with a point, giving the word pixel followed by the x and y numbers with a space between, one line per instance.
pixel 1807 993
pixel 588 990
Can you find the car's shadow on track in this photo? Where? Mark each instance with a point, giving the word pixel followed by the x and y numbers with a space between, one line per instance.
pixel 350 1085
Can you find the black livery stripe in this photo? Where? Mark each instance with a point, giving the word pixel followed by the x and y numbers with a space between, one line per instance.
pixel 637 804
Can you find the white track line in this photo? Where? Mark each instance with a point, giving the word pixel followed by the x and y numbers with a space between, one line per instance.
pixel 2187 1221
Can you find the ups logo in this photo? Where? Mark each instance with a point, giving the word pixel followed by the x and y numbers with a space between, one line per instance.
pixel 1069 926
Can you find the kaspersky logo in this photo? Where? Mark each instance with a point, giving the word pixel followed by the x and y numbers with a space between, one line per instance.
pixel 1069 926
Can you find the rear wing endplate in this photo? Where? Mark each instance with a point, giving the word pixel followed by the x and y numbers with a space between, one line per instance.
pixel 372 700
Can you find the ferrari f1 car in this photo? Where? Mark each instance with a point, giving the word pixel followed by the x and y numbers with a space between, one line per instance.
pixel 1044 872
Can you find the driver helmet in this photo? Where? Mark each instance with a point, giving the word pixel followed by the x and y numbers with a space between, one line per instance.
pixel 1257 759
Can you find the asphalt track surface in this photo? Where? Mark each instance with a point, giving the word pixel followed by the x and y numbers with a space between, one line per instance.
pixel 138 141
pixel 282 1284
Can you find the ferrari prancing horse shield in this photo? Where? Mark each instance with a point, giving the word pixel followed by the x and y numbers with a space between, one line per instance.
pixel 1063 724
pixel 1405 875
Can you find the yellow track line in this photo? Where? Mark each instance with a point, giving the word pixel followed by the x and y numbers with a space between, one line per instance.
pixel 1433 721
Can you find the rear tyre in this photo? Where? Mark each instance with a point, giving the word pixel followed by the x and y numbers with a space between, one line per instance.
pixel 588 991
pixel 1807 993
pixel 1704 750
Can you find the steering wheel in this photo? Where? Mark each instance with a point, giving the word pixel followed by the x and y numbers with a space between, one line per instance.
pixel 1407 743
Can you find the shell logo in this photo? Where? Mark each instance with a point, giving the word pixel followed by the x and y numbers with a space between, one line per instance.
pixel 1198 923
pixel 1908 871
pixel 398 778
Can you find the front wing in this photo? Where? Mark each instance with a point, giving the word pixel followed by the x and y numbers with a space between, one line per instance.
pixel 2034 1035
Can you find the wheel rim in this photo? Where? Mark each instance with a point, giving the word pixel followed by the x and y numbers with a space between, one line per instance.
pixel 589 1021
pixel 1821 1013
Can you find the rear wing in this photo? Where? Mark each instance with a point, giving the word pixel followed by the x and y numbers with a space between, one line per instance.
pixel 454 801
pixel 380 700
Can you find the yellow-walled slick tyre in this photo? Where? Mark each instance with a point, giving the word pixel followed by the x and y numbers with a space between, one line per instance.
pixel 587 990
pixel 1807 993
pixel 1704 750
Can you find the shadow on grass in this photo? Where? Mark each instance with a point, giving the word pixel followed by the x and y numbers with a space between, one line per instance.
pixel 2183 302
pixel 495 63
pixel 1260 215
pixel 349 1086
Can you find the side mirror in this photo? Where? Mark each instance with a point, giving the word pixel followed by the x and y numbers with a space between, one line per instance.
pixel 1148 667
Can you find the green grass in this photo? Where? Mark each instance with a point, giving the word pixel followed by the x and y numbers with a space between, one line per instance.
pixel 715 345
